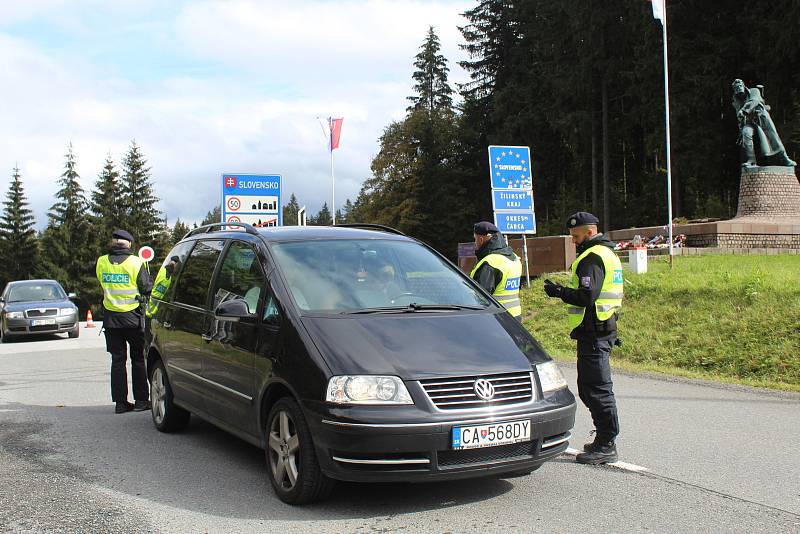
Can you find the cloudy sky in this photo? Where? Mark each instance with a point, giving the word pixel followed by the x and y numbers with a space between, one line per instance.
pixel 206 87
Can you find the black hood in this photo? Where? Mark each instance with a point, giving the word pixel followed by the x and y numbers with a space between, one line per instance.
pixel 497 245
pixel 599 239
pixel 424 345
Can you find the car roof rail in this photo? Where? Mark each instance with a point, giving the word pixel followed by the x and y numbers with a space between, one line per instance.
pixel 369 226
pixel 208 228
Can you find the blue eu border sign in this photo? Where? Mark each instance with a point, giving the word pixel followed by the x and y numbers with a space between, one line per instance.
pixel 252 198
pixel 512 189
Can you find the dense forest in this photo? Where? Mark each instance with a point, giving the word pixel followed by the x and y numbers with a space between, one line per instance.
pixel 581 83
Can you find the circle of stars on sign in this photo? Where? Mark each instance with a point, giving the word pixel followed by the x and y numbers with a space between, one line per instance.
pixel 522 182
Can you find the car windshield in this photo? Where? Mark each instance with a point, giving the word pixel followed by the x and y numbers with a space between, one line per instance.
pixel 30 292
pixel 341 276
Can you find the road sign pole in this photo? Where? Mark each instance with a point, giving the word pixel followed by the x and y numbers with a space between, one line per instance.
pixel 525 252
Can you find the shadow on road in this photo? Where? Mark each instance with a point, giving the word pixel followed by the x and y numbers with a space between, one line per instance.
pixel 204 469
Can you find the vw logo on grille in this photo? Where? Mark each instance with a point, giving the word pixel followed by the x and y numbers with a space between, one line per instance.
pixel 484 389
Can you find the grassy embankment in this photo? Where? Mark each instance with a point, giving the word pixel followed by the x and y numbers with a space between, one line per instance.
pixel 726 318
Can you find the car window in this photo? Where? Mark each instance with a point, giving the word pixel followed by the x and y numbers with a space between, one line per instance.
pixel 240 276
pixel 195 277
pixel 351 274
pixel 35 291
pixel 181 252
pixel 272 313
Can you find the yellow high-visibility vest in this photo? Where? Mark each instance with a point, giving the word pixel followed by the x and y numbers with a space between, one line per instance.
pixel 118 281
pixel 610 300
pixel 507 291
pixel 160 287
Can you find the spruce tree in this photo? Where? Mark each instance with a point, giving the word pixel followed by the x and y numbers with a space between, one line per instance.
pixel 433 91
pixel 106 206
pixel 179 230
pixel 18 246
pixel 290 211
pixel 213 216
pixel 67 253
pixel 324 217
pixel 141 217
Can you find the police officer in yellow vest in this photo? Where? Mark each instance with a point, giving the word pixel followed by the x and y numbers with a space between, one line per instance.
pixel 125 280
pixel 594 298
pixel 498 270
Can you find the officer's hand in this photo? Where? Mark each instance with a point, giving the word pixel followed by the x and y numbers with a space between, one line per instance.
pixel 553 290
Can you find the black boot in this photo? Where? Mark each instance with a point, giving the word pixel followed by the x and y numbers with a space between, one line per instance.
pixel 141 406
pixel 123 406
pixel 602 453
pixel 589 447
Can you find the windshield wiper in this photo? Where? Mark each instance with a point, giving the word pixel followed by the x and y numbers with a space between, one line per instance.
pixel 414 307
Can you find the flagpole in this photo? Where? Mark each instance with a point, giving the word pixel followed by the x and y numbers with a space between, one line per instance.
pixel 669 151
pixel 333 180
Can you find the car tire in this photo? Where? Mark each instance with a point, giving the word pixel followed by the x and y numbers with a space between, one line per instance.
pixel 7 338
pixel 292 462
pixel 167 416
pixel 75 332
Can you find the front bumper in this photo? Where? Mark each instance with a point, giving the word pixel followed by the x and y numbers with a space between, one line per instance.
pixel 25 326
pixel 419 452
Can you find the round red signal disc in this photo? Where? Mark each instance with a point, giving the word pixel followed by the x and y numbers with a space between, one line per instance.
pixel 147 253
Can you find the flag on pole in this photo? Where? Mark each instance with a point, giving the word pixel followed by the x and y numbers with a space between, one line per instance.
pixel 335 129
pixel 658 9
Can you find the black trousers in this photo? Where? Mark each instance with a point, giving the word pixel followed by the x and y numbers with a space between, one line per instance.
pixel 595 387
pixel 117 340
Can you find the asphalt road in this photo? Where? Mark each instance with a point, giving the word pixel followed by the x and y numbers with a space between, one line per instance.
pixel 717 459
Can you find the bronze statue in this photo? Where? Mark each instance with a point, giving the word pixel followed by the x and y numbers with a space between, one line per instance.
pixel 757 131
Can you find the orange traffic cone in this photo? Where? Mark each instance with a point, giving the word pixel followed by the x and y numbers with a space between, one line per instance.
pixel 89 321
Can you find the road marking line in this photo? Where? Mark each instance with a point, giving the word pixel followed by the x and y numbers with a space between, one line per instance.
pixel 625 466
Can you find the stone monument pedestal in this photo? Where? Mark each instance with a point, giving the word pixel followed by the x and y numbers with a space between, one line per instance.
pixel 768 216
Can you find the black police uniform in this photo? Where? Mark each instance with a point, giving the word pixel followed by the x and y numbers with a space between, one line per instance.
pixel 595 338
pixel 127 328
pixel 487 276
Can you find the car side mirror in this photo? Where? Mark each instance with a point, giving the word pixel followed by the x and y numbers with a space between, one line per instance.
pixel 72 296
pixel 235 310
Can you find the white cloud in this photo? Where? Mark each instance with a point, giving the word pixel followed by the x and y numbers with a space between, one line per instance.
pixel 269 69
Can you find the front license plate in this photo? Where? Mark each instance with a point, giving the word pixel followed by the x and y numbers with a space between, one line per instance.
pixel 491 435
pixel 42 322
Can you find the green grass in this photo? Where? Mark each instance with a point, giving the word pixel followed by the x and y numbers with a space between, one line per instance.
pixel 727 318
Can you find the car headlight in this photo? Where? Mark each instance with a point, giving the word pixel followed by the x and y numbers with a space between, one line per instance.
pixel 15 315
pixel 66 311
pixel 550 377
pixel 367 390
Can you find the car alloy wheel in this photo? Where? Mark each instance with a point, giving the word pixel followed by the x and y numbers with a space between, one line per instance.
pixel 158 395
pixel 284 450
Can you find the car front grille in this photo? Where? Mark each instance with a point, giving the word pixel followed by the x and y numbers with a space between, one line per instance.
pixel 515 451
pixel 459 392
pixel 49 312
pixel 44 328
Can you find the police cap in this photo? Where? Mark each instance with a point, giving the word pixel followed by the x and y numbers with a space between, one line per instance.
pixel 581 218
pixel 484 228
pixel 122 234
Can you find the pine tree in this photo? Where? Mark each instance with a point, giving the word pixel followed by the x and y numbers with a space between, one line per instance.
pixel 66 245
pixel 290 211
pixel 18 246
pixel 106 206
pixel 213 216
pixel 433 91
pixel 142 219
pixel 347 215
pixel 324 217
pixel 179 230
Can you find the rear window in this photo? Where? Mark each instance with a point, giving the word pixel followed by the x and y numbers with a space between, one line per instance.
pixel 196 274
pixel 345 275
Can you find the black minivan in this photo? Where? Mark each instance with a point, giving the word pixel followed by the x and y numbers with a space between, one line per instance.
pixel 350 353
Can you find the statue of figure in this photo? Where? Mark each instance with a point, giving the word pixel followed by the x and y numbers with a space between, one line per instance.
pixel 756 125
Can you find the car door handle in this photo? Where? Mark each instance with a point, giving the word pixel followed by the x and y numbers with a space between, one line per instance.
pixel 207 337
